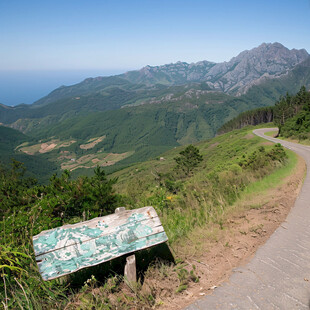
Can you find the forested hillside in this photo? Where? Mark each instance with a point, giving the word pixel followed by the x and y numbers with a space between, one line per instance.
pixel 290 114
pixel 181 115
pixel 247 118
pixel 36 166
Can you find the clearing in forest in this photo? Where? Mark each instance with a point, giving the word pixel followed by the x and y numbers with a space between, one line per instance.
pixel 43 147
pixel 92 142
pixel 94 160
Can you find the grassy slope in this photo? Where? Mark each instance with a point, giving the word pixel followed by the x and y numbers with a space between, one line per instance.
pixel 272 180
pixel 207 193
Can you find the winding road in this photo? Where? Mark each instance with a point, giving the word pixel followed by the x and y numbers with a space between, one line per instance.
pixel 278 277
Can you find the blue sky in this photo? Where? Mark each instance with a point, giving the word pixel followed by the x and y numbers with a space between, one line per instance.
pixel 104 37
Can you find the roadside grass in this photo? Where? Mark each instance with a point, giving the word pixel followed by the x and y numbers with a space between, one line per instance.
pixel 258 193
pixel 304 141
pixel 271 133
pixel 296 140
pixel 272 180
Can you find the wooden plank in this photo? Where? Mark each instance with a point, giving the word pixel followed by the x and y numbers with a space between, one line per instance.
pixel 69 248
pixel 130 271
pixel 74 234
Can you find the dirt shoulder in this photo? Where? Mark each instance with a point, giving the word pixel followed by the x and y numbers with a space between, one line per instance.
pixel 235 241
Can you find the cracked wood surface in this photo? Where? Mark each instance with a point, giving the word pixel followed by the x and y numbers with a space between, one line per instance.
pixel 278 277
pixel 69 248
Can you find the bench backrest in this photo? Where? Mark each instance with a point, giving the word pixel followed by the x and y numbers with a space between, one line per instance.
pixel 69 248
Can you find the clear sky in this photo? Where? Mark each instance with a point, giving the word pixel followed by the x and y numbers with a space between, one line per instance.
pixel 109 36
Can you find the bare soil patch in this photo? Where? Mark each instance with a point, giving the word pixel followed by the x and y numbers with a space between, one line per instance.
pixel 249 136
pixel 91 143
pixel 213 145
pixel 45 147
pixel 267 143
pixel 92 160
pixel 66 144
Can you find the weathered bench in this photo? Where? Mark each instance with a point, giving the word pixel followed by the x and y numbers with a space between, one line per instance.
pixel 64 250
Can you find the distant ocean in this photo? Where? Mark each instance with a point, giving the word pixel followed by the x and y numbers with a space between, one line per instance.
pixel 18 87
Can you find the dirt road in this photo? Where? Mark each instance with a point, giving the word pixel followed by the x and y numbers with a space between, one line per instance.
pixel 278 277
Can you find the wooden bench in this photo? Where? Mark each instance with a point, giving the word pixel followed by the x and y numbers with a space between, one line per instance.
pixel 64 250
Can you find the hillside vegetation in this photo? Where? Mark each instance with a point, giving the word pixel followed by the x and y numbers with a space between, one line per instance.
pixel 186 196
pixel 189 187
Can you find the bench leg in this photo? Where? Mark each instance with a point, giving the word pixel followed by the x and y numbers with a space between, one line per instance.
pixel 130 270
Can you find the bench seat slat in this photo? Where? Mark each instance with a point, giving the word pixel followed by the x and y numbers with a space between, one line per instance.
pixel 70 248
pixel 71 234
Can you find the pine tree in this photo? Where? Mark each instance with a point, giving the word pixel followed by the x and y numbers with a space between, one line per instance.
pixel 189 159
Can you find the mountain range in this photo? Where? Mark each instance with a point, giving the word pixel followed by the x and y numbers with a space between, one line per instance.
pixel 143 113
pixel 233 77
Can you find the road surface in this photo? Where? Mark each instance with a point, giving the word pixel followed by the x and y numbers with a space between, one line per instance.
pixel 278 277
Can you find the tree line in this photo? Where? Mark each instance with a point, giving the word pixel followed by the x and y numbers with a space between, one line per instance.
pixel 285 108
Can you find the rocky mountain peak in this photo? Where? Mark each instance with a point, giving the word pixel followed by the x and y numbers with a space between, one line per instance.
pixel 274 52
pixel 268 59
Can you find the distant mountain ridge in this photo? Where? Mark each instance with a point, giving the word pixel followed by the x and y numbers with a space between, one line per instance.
pixel 233 77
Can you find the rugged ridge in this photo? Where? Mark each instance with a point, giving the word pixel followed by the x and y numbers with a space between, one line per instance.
pixel 234 76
